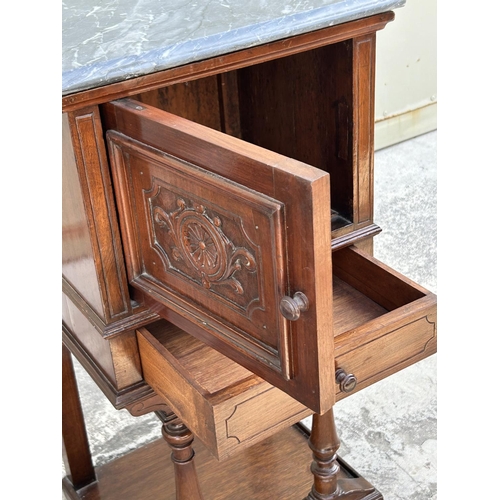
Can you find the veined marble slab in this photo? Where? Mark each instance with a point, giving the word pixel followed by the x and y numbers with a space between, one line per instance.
pixel 114 40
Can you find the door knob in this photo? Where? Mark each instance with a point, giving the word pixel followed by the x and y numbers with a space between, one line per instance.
pixel 347 381
pixel 292 307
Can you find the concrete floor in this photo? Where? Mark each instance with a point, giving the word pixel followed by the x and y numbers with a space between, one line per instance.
pixel 388 431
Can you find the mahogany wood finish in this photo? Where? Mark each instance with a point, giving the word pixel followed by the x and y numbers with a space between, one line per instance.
pixel 99 318
pixel 214 396
pixel 239 184
pixel 76 451
pixel 328 483
pixel 148 473
pixel 170 210
pixel 263 106
pixel 151 403
pixel 282 114
pixel 196 100
pixel 120 398
pixel 213 93
pixel 324 443
pixel 180 440
pixel 383 322
pixel 92 249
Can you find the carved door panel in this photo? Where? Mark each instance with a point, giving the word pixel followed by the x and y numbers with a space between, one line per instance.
pixel 228 240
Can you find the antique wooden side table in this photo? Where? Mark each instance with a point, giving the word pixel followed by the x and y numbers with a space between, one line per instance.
pixel 217 242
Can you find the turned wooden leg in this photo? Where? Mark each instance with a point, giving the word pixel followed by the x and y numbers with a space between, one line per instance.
pixel 76 452
pixel 180 440
pixel 324 443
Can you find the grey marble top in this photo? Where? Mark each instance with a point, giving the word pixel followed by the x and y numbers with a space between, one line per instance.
pixel 113 40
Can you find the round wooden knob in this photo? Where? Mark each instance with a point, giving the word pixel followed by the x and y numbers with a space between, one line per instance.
pixel 347 381
pixel 291 307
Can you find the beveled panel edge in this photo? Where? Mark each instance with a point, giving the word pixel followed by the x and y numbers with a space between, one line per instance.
pixel 268 207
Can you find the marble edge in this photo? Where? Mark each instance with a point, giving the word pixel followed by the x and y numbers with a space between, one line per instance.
pixel 124 68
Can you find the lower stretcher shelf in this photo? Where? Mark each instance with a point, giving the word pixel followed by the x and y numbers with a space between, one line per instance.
pixel 276 468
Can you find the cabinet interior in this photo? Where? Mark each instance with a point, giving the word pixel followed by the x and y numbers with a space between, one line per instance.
pixel 300 106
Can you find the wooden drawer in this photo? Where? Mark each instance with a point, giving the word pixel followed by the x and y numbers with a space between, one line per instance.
pixel 227 407
pixel 383 322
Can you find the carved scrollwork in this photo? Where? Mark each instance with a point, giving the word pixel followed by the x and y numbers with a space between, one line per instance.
pixel 201 244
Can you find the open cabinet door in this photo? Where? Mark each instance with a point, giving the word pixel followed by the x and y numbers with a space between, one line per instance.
pixel 229 241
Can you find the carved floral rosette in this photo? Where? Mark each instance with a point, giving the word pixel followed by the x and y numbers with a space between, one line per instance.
pixel 199 248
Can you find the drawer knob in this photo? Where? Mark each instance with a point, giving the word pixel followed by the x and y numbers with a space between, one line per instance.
pixel 291 307
pixel 347 381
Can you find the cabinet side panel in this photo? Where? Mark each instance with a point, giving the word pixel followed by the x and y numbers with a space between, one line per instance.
pixel 77 258
pixel 96 349
pixel 96 198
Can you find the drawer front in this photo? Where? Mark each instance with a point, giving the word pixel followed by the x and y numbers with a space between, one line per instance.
pixel 227 415
pixel 392 351
pixel 258 416
pixel 221 235
pixel 392 322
